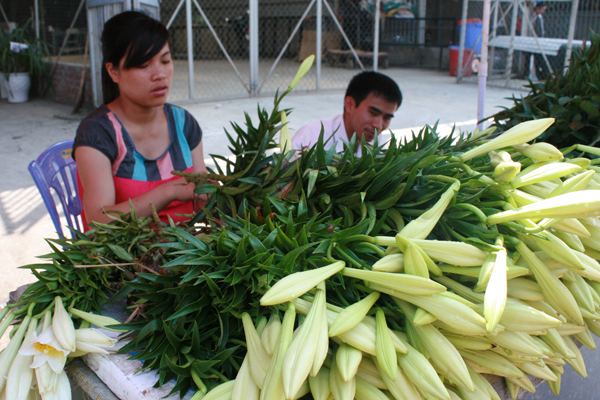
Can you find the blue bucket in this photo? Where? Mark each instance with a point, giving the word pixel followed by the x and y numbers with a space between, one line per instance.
pixel 474 26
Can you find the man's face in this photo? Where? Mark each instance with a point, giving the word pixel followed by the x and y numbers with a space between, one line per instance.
pixel 373 114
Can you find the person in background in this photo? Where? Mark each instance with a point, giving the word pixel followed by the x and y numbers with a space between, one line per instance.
pixel 126 149
pixel 537 22
pixel 370 102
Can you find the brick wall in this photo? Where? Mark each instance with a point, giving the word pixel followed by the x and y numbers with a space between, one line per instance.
pixel 66 85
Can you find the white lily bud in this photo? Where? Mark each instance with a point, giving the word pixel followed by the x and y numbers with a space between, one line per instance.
pixel 20 376
pixel 62 326
pixel 91 340
pixel 497 157
pixel 62 389
pixel 302 70
pixel 270 335
pixel 506 171
pixel 519 134
pixel 8 354
pixel 95 319
pixel 540 151
pixel 285 140
pixel 46 379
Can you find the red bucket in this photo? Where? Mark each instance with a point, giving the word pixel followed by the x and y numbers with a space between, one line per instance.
pixel 467 59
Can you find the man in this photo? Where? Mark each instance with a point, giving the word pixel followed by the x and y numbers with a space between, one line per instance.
pixel 369 105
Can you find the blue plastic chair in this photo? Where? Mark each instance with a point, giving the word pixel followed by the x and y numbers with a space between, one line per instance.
pixel 56 169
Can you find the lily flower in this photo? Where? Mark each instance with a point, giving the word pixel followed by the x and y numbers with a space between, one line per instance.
pixel 62 390
pixel 20 376
pixel 45 349
pixel 63 327
pixel 46 379
pixel 91 340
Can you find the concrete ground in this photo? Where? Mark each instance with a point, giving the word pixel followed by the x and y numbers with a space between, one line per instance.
pixel 28 129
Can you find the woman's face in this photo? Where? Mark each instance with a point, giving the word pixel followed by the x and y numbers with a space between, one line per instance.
pixel 147 85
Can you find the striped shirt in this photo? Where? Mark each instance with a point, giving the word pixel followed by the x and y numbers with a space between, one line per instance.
pixel 134 174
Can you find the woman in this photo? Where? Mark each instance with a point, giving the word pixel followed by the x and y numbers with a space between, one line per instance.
pixel 126 149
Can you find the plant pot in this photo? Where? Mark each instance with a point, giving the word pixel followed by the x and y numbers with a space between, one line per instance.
pixel 3 86
pixel 18 87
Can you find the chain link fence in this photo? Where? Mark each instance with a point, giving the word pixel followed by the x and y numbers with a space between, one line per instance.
pixel 287 35
pixel 213 24
pixel 56 20
pixel 218 62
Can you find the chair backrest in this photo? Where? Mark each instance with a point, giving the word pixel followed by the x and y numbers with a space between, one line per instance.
pixel 56 169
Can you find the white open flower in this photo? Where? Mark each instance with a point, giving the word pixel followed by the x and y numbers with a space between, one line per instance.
pixel 45 348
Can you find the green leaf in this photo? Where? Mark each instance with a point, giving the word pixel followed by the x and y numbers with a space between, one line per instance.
pixel 214 288
pixel 312 180
pixel 171 337
pixel 191 239
pixel 592 111
pixel 202 366
pixel 120 252
pixel 150 327
pixel 190 308
pixel 289 261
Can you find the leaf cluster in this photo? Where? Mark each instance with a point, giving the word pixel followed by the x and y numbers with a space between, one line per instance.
pixel 572 98
pixel 27 60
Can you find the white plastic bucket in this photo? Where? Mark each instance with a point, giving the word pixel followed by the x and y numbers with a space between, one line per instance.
pixel 18 85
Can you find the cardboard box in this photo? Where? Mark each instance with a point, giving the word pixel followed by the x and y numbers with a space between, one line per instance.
pixel 308 45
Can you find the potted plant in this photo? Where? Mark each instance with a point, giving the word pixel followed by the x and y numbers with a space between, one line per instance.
pixel 21 60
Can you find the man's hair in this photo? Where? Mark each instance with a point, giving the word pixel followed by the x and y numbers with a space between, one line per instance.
pixel 368 82
pixel 541 4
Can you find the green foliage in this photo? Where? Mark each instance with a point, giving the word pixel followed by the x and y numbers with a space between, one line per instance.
pixel 28 60
pixel 572 98
pixel 273 215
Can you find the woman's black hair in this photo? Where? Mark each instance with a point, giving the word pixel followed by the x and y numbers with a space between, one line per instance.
pixel 133 35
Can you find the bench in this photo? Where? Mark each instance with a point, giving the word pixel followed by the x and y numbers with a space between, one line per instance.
pixel 530 44
pixel 345 58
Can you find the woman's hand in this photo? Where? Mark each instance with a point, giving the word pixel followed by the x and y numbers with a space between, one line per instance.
pixel 180 190
pixel 184 191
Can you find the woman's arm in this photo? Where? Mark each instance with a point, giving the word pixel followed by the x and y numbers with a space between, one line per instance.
pixel 95 174
pixel 198 159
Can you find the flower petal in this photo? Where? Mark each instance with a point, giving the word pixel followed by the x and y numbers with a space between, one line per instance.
pixel 27 349
pixel 57 363
pixel 38 360
pixel 90 348
pixel 46 379
pixel 63 387
pixel 46 336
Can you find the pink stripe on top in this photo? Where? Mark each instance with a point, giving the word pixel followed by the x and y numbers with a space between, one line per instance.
pixel 165 166
pixel 122 150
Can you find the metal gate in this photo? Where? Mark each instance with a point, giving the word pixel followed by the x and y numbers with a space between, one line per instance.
pixel 241 48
